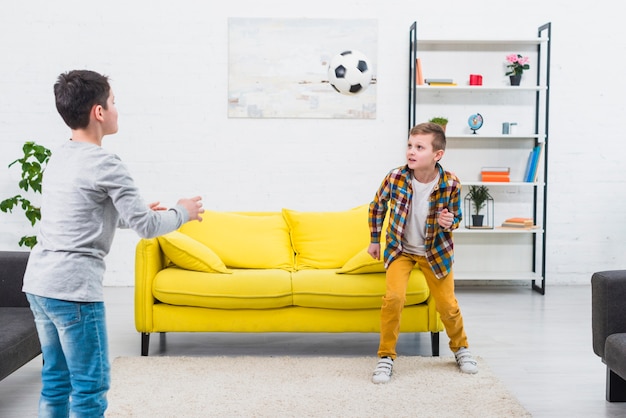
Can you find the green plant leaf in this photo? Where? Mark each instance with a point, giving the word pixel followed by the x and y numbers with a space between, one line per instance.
pixel 7 205
pixel 28 241
pixel 33 165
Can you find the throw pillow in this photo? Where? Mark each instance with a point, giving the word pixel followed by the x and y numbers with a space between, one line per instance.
pixel 245 240
pixel 326 240
pixel 362 263
pixel 190 254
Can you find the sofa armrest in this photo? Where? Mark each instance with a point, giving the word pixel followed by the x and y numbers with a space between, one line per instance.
pixel 12 268
pixel 608 310
pixel 149 260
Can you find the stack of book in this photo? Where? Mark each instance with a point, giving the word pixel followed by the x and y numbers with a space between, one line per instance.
pixel 495 174
pixel 440 82
pixel 420 80
pixel 518 223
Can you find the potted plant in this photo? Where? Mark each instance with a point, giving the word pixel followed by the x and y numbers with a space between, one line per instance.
pixel 478 195
pixel 441 121
pixel 33 164
pixel 516 64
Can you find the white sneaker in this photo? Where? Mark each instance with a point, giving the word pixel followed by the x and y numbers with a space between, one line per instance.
pixel 383 370
pixel 466 362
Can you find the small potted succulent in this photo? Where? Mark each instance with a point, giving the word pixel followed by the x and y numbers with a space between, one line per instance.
pixel 441 121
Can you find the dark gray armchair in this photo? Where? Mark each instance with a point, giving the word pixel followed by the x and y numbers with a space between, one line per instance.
pixel 19 342
pixel 608 321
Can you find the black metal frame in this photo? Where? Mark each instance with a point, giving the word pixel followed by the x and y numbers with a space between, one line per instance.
pixel 543 29
pixel 412 74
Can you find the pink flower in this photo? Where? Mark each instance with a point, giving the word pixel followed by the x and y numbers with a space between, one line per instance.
pixel 512 58
pixel 517 64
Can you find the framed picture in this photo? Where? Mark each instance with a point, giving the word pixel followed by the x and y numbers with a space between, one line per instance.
pixel 302 68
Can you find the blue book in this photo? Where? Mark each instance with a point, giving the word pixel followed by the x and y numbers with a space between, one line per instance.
pixel 528 164
pixel 533 170
pixel 536 165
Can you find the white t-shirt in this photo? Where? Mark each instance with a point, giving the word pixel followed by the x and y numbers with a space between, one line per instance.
pixel 415 229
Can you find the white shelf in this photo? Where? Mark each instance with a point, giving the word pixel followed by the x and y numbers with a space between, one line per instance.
pixel 497 230
pixel 502 183
pixel 527 41
pixel 539 137
pixel 480 89
pixel 497 253
pixel 489 275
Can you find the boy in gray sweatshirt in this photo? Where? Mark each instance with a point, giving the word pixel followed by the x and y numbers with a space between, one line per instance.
pixel 87 193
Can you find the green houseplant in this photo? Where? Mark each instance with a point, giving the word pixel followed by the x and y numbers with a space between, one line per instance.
pixel 441 121
pixel 33 164
pixel 478 195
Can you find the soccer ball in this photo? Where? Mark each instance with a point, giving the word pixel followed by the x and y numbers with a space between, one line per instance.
pixel 349 72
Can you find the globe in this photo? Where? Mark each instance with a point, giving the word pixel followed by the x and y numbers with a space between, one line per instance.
pixel 475 122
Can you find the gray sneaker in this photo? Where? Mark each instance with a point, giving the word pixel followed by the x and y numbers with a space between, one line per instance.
pixel 466 362
pixel 383 370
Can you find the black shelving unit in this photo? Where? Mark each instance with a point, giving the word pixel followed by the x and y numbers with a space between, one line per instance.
pixel 541 47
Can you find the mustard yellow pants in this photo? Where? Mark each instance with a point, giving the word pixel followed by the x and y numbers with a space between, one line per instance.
pixel 442 291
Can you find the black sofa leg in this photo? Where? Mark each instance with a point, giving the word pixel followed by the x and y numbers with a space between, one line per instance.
pixel 145 343
pixel 615 387
pixel 434 342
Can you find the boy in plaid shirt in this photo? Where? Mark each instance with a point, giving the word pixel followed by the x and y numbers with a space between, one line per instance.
pixel 424 204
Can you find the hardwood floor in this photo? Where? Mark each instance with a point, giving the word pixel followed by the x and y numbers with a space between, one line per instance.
pixel 539 346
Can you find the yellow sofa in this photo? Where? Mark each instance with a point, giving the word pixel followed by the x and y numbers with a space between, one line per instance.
pixel 288 271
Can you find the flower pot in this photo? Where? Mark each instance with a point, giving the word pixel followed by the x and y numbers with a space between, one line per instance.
pixel 477 220
pixel 515 79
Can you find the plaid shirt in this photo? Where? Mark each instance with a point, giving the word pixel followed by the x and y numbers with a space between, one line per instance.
pixel 396 193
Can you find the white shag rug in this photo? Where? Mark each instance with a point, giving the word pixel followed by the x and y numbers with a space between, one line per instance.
pixel 251 386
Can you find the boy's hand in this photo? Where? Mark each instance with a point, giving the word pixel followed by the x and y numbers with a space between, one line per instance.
pixel 155 206
pixel 374 250
pixel 194 207
pixel 445 218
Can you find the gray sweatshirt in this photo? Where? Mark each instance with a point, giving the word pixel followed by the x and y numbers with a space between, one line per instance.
pixel 87 193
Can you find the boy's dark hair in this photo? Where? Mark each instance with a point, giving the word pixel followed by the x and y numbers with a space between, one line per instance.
pixel 76 92
pixel 439 136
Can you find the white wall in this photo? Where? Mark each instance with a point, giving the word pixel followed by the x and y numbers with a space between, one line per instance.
pixel 168 67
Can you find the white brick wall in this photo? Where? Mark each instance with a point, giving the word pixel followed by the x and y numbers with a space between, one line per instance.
pixel 168 66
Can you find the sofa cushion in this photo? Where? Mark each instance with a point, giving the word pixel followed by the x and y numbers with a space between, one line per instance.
pixel 243 289
pixel 190 254
pixel 326 240
pixel 615 353
pixel 19 342
pixel 12 268
pixel 362 263
pixel 326 289
pixel 255 241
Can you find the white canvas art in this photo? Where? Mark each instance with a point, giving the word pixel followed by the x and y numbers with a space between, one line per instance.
pixel 278 68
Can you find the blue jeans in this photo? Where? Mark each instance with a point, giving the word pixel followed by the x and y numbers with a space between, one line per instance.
pixel 76 370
